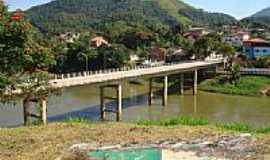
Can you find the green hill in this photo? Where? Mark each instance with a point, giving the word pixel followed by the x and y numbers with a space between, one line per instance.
pixel 68 15
pixel 261 18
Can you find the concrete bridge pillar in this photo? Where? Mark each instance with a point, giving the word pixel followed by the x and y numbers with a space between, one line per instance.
pixel 119 103
pixel 181 83
pixel 43 110
pixel 28 115
pixel 165 91
pixel 151 93
pixel 26 111
pixel 195 82
pixel 118 99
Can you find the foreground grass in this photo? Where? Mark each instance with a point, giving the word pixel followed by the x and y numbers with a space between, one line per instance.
pixel 249 85
pixel 190 121
pixel 53 140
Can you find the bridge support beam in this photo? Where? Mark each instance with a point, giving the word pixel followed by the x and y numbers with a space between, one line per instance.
pixel 26 111
pixel 165 91
pixel 43 110
pixel 119 103
pixel 151 93
pixel 118 99
pixel 102 104
pixel 181 83
pixel 42 116
pixel 195 82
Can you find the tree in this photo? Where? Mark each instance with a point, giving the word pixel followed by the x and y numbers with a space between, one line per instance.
pixel 24 62
pixel 227 51
pixel 112 56
pixel 206 45
pixel 235 74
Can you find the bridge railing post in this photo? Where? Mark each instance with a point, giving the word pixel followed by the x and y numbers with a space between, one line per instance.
pixel 195 82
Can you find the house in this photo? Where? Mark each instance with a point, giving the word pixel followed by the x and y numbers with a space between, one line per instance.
pixel 236 38
pixel 229 29
pixel 254 48
pixel 178 54
pixel 157 55
pixel 195 33
pixel 69 37
pixel 98 41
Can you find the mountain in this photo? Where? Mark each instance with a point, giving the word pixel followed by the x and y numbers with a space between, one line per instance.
pixel 263 13
pixel 262 17
pixel 207 18
pixel 65 15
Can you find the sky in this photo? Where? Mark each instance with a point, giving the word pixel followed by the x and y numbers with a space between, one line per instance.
pixel 236 8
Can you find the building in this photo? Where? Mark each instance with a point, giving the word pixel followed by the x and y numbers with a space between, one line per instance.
pixel 177 55
pixel 236 38
pixel 254 48
pixel 195 33
pixel 69 37
pixel 157 55
pixel 98 41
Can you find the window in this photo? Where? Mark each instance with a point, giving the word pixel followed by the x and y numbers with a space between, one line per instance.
pixel 247 50
pixel 264 50
pixel 257 50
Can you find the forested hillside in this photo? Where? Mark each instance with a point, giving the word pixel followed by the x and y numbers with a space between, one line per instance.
pixel 206 18
pixel 68 15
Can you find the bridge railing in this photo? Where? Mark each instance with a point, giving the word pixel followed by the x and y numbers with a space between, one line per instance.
pixel 122 69
pixel 256 71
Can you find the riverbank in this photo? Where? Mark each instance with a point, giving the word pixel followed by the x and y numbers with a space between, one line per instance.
pixel 54 140
pixel 248 85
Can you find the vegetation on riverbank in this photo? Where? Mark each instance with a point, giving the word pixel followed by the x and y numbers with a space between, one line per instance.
pixel 248 85
pixel 54 140
pixel 190 121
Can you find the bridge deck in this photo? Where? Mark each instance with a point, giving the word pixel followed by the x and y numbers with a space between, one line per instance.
pixel 127 74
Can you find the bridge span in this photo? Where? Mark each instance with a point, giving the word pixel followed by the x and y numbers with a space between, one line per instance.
pixel 114 75
pixel 112 78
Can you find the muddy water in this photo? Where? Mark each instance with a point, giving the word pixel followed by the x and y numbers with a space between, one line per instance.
pixel 84 102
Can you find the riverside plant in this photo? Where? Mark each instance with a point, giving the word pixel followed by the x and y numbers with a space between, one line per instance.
pixel 191 121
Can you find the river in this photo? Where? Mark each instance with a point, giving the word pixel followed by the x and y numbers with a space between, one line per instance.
pixel 84 102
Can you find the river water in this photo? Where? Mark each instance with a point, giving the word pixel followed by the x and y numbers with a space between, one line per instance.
pixel 84 102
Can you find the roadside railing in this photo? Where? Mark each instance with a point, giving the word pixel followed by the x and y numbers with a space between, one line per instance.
pixel 255 71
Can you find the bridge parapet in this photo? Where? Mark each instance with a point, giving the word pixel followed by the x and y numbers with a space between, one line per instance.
pixel 73 79
pixel 123 69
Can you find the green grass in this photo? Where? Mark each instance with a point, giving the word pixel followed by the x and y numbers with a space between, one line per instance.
pixel 240 127
pixel 249 85
pixel 243 127
pixel 77 120
pixel 189 121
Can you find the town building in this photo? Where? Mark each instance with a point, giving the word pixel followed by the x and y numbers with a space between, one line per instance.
pixel 69 37
pixel 236 38
pixel 195 33
pixel 157 55
pixel 255 48
pixel 98 41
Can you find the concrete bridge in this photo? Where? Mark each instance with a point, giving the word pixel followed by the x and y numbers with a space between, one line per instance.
pixel 112 78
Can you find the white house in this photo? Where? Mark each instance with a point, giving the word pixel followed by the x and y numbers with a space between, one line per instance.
pixel 236 38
